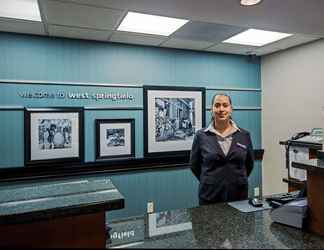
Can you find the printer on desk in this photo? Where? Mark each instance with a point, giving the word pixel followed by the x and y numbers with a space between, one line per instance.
pixel 315 136
pixel 302 148
pixel 293 213
pixel 290 208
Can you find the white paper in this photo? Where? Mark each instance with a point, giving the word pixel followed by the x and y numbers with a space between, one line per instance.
pixel 298 154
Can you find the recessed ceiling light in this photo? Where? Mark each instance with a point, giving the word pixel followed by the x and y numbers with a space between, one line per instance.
pixel 150 24
pixel 254 37
pixel 20 9
pixel 250 2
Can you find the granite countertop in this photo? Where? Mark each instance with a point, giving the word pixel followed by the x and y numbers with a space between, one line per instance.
pixel 27 202
pixel 222 226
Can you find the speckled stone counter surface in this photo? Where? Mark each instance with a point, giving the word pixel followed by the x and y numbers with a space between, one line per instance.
pixel 33 201
pixel 222 226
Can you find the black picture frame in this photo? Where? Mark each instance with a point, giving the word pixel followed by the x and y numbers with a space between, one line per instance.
pixel 53 136
pixel 184 121
pixel 115 138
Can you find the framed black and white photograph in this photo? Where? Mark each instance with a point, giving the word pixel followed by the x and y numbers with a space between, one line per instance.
pixel 166 222
pixel 53 135
pixel 172 115
pixel 115 138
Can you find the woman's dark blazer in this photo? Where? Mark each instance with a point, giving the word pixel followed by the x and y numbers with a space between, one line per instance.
pixel 220 176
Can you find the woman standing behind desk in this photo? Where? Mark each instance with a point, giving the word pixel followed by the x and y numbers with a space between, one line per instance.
pixel 222 156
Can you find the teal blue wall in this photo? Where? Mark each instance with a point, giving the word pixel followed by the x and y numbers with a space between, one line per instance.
pixel 34 58
pixel 53 59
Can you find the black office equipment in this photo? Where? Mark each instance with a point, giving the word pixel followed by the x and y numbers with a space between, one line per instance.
pixel 299 135
pixel 283 198
pixel 301 147
pixel 255 202
pixel 293 213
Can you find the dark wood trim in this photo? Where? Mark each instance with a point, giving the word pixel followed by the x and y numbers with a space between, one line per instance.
pixel 308 167
pixel 315 187
pixel 78 231
pixel 294 185
pixel 113 166
pixel 294 182
pixel 316 146
pixel 99 167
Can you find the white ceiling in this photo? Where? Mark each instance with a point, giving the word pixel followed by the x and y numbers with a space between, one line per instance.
pixel 212 21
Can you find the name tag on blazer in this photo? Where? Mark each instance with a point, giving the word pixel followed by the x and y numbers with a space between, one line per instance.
pixel 241 145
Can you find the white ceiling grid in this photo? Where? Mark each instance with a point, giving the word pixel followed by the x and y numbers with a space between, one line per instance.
pixel 211 22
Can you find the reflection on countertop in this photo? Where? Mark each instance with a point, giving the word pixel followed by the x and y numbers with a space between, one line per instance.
pixel 215 226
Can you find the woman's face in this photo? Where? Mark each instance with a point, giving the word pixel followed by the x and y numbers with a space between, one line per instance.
pixel 222 108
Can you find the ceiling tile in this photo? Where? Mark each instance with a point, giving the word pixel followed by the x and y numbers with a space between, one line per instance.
pixel 286 43
pixel 21 26
pixel 232 49
pixel 289 16
pixel 85 16
pixel 202 31
pixel 186 44
pixel 136 38
pixel 80 33
pixel 103 3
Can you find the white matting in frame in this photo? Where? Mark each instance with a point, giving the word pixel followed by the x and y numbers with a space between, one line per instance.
pixel 107 145
pixel 40 149
pixel 171 145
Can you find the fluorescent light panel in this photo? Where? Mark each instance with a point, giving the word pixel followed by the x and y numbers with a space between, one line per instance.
pixel 20 9
pixel 150 24
pixel 254 37
pixel 250 2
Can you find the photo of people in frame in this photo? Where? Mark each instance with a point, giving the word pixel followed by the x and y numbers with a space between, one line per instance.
pixel 115 137
pixel 174 119
pixel 54 133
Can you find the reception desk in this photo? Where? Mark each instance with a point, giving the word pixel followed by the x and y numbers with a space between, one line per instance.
pixel 213 226
pixel 315 188
pixel 64 213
